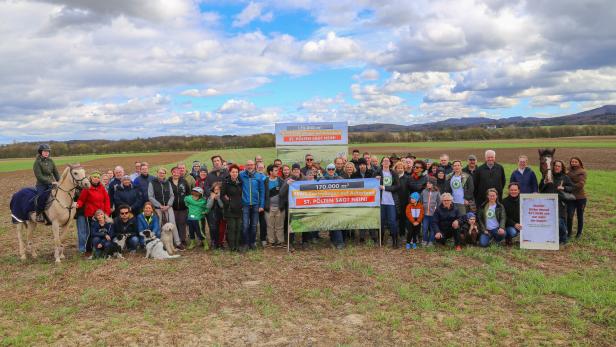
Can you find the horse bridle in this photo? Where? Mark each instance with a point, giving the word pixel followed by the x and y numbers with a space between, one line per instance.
pixel 76 183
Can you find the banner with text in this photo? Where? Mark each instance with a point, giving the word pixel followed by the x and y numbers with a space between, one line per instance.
pixel 539 220
pixel 302 134
pixel 334 205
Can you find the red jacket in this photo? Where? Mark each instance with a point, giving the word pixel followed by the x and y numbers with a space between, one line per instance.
pixel 94 198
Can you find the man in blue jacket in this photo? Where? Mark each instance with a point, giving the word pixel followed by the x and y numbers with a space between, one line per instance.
pixel 524 176
pixel 253 202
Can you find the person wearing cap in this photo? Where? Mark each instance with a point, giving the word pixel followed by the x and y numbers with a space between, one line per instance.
pixel 363 170
pixel 470 230
pixel 414 212
pixel 196 167
pixel 471 165
pixel 128 194
pixel 197 209
pixel 180 189
pixel 330 172
pixel 46 174
pixel 94 197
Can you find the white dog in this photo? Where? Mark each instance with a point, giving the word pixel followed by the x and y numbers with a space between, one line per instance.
pixel 166 236
pixel 154 247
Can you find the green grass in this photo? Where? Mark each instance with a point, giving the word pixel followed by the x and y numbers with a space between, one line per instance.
pixel 496 144
pixel 8 165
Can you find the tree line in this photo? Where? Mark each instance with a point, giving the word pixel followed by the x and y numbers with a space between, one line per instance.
pixel 208 142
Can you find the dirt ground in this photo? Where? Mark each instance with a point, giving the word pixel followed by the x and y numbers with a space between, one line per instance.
pixel 593 158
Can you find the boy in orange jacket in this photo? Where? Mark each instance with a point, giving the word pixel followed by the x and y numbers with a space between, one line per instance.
pixel 415 214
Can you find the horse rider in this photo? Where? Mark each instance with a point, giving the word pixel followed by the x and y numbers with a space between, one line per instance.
pixel 46 175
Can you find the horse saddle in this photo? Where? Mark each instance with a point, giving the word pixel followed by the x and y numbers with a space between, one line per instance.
pixel 25 202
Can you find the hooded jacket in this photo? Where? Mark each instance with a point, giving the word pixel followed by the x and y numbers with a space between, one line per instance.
pixel 94 198
pixel 253 190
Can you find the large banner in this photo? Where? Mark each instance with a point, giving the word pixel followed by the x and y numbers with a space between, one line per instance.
pixel 334 205
pixel 325 141
pixel 539 220
pixel 308 134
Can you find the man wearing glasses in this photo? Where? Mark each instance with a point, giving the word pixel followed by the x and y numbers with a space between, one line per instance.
pixel 125 224
pixel 309 164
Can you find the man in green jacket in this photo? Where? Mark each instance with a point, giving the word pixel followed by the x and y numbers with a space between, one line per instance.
pixel 46 175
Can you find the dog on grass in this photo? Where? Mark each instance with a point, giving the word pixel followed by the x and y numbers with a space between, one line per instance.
pixel 154 247
pixel 118 244
pixel 166 236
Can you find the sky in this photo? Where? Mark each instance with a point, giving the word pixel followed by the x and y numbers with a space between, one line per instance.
pixel 120 69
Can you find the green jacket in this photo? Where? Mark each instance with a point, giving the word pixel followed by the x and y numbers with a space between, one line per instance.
pixel 45 170
pixel 196 208
pixel 501 215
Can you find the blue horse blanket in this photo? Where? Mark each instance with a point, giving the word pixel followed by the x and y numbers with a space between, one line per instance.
pixel 24 202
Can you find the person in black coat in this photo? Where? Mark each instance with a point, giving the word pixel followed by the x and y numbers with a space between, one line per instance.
pixel 489 175
pixel 447 221
pixel 417 179
pixel 363 169
pixel 560 183
pixel 512 209
pixel 232 198
pixel 127 194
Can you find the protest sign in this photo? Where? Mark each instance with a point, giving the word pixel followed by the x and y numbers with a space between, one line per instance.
pixel 324 141
pixel 539 220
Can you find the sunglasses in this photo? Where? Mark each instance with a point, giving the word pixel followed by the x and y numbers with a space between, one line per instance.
pixel 123 213
pixel 309 159
pixel 331 169
pixel 418 167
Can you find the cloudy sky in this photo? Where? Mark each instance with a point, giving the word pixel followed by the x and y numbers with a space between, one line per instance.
pixel 83 69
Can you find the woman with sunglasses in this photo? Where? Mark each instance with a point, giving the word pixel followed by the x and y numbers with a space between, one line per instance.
pixel 417 180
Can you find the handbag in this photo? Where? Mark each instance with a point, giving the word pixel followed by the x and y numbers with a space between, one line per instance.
pixel 566 196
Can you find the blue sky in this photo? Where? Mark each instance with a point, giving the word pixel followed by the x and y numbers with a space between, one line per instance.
pixel 79 69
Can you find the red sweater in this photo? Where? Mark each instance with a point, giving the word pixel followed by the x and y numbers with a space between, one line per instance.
pixel 94 198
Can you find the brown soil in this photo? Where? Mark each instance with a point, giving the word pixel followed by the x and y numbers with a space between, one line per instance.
pixel 593 158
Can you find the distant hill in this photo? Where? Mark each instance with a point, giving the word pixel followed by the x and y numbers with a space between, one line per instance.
pixel 598 116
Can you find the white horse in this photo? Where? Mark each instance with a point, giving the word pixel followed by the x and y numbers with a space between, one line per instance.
pixel 60 211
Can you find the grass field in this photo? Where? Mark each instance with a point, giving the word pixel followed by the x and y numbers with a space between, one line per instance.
pixel 362 295
pixel 8 165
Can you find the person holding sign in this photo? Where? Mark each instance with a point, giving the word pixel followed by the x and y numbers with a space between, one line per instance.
pixel 446 222
pixel 389 186
pixel 561 184
pixel 492 217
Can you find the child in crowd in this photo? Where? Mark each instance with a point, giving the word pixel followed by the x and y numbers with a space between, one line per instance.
pixel 470 230
pixel 196 210
pixel 430 198
pixel 102 234
pixel 415 214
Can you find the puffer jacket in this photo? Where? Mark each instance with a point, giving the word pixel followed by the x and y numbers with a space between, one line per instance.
pixel 130 196
pixel 94 198
pixel 253 188
pixel 232 197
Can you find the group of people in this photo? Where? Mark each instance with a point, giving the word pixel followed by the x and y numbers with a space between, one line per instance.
pixel 241 205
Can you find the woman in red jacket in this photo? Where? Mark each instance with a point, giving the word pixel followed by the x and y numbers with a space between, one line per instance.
pixel 95 197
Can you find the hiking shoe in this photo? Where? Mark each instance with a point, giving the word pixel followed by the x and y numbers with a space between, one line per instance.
pixel 180 247
pixel 408 246
pixel 458 248
pixel 263 244
pixel 414 245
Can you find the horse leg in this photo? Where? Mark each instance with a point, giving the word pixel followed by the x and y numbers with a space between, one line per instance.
pixel 30 244
pixel 62 235
pixel 56 239
pixel 22 249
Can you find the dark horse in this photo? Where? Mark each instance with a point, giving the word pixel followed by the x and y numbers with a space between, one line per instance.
pixel 546 156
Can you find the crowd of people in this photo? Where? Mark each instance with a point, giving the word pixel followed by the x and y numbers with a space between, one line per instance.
pixel 239 207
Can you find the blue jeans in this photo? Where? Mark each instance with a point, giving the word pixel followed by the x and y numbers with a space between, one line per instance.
pixel 132 242
pixel 388 217
pixel 427 235
pixel 562 230
pixel 336 237
pixel 83 233
pixel 250 218
pixel 484 239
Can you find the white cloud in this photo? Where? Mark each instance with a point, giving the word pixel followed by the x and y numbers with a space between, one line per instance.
pixel 250 13
pixel 330 49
